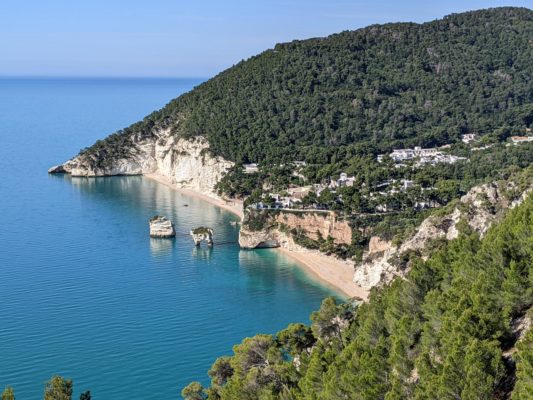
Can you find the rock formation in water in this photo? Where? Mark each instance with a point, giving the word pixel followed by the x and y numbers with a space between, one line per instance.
pixel 161 227
pixel 202 234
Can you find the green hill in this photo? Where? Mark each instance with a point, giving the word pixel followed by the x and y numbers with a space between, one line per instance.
pixel 363 92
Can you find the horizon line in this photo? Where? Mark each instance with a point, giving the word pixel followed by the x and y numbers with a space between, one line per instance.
pixel 101 77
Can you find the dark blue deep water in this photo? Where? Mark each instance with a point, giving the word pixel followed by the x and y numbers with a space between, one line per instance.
pixel 84 292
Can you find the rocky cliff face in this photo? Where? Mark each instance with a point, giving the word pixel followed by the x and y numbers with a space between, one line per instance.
pixel 478 210
pixel 270 228
pixel 383 261
pixel 185 162
pixel 317 225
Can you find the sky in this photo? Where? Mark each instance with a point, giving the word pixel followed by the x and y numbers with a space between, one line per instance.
pixel 176 38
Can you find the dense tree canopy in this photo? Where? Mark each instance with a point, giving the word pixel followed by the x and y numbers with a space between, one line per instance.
pixel 362 92
pixel 57 388
pixel 455 328
pixel 448 330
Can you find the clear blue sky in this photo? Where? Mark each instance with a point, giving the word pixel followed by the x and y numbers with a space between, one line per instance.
pixel 182 38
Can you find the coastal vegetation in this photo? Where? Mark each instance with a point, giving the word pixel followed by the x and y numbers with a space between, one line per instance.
pixel 338 102
pixel 57 388
pixel 333 105
pixel 202 230
pixel 455 327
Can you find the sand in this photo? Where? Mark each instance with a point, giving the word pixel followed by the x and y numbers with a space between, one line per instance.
pixel 336 273
pixel 234 206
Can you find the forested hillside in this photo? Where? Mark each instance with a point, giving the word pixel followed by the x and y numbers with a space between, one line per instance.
pixel 362 92
pixel 455 328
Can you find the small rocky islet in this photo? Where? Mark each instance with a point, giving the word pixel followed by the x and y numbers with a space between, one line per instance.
pixel 202 234
pixel 161 227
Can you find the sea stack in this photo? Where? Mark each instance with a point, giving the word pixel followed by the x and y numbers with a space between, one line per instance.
pixel 202 233
pixel 161 227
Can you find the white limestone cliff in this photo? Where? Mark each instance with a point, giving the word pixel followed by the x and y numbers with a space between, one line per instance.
pixel 186 162
pixel 478 209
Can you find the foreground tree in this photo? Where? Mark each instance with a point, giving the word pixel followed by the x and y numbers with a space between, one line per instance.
pixel 524 369
pixel 330 319
pixel 85 395
pixel 194 391
pixel 8 394
pixel 58 388
pixel 296 338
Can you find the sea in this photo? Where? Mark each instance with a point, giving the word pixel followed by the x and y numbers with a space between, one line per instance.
pixel 85 293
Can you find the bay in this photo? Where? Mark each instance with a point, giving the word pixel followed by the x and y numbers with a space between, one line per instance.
pixel 84 292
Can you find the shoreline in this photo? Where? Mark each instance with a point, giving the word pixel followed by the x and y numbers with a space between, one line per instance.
pixel 334 273
pixel 235 207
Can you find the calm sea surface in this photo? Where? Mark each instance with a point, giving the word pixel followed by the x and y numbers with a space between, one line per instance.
pixel 84 292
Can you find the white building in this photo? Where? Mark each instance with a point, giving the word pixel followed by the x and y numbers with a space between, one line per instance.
pixel 409 154
pixel 420 152
pixel 344 180
pixel 406 184
pixel 299 163
pixel 251 168
pixel 425 156
pixel 521 139
pixel 402 154
pixel 468 137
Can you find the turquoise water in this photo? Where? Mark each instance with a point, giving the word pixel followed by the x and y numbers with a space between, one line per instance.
pixel 84 292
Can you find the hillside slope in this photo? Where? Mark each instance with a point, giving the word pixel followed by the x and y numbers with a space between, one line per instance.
pixel 456 327
pixel 363 91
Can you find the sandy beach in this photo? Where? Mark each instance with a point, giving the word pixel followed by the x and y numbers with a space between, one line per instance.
pixel 334 272
pixel 234 206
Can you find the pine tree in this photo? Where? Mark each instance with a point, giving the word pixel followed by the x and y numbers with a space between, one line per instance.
pixel 8 394
pixel 523 389
pixel 58 388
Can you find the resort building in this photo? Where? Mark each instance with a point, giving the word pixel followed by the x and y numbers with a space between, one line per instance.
pixel 468 137
pixel 300 192
pixel 250 168
pixel 344 180
pixel 424 156
pixel 408 154
pixel 521 139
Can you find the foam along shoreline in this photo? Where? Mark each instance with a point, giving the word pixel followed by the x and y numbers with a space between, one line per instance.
pixel 235 207
pixel 335 273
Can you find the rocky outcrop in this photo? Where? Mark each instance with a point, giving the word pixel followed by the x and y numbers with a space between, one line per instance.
pixel 268 238
pixel 317 225
pixel 478 210
pixel 161 227
pixel 185 162
pixel 269 228
pixel 202 234
pixel 258 239
pixel 378 245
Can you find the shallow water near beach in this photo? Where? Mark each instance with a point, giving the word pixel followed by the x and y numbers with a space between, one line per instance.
pixel 84 292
